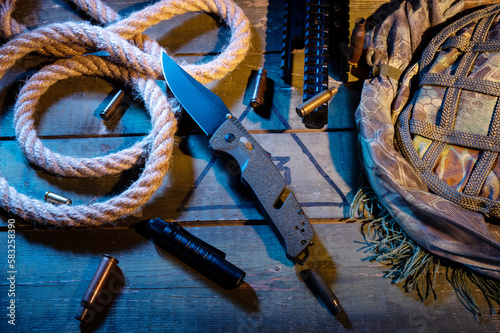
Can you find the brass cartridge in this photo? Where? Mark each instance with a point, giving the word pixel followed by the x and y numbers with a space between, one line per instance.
pixel 315 102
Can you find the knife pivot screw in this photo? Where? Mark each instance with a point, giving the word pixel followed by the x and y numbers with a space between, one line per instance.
pixel 229 137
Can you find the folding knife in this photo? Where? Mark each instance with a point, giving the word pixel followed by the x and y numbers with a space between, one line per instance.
pixel 258 172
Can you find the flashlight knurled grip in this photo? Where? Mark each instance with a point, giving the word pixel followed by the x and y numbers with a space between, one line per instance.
pixel 199 253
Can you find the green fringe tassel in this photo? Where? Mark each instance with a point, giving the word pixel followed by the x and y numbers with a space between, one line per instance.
pixel 414 266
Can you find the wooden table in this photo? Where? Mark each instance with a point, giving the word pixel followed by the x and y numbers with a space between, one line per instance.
pixel 159 292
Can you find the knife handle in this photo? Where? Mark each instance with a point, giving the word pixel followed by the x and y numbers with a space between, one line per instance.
pixel 268 187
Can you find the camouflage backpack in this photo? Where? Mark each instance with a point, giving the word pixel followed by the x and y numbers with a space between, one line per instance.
pixel 429 144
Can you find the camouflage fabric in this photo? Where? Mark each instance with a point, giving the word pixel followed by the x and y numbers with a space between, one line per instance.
pixel 437 224
pixel 449 131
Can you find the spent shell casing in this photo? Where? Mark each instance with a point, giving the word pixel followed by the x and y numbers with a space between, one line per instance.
pixel 113 105
pixel 315 102
pixel 357 41
pixel 56 199
pixel 97 284
pixel 259 89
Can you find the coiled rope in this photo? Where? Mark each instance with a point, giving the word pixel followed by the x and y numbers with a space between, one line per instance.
pixel 132 58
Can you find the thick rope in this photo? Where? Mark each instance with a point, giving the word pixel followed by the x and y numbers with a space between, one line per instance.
pixel 97 10
pixel 134 59
pixel 9 26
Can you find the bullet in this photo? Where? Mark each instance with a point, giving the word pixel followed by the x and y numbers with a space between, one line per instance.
pixel 98 283
pixel 259 89
pixel 315 102
pixel 113 105
pixel 322 288
pixel 56 199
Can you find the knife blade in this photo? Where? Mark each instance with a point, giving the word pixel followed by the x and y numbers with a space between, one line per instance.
pixel 258 172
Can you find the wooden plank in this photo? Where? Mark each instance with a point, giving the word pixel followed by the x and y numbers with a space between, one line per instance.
pixel 320 168
pixel 72 106
pixel 55 109
pixel 187 33
pixel 34 182
pixel 376 11
pixel 160 293
pixel 70 110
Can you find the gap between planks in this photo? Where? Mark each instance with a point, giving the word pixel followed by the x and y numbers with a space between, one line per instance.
pixel 212 223
pixel 127 135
